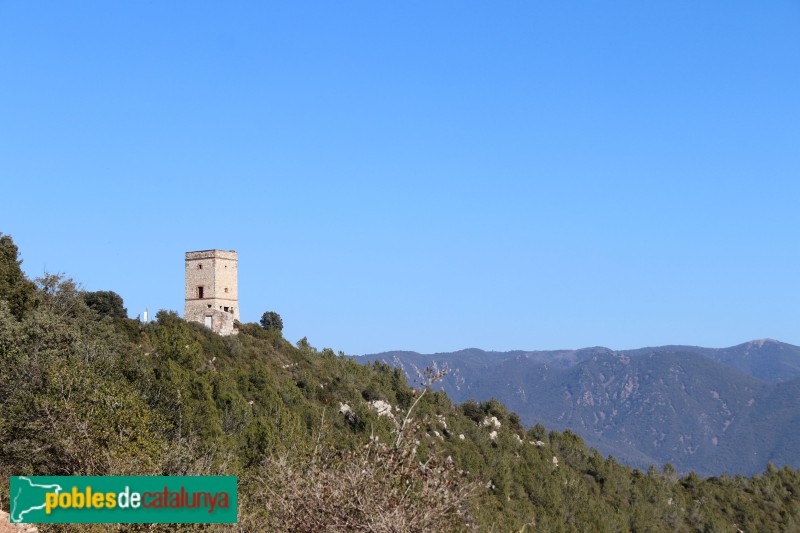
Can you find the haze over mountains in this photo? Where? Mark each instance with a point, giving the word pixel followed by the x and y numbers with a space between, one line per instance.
pixel 704 409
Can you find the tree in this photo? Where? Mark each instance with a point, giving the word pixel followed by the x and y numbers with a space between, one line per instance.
pixel 271 321
pixel 14 286
pixel 107 303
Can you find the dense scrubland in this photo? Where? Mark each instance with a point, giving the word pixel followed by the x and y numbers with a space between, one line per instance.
pixel 86 391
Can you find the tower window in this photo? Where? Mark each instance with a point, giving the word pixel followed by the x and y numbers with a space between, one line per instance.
pixel 199 266
pixel 226 309
pixel 200 292
pixel 226 289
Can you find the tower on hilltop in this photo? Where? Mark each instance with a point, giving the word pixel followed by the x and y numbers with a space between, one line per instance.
pixel 212 296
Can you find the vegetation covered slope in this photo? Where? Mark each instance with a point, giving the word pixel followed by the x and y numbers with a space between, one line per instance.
pixel 309 432
pixel 677 404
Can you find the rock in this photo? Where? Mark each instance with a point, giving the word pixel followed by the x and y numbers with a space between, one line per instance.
pixel 461 436
pixel 555 461
pixel 493 421
pixel 493 435
pixel 7 527
pixel 344 409
pixel 382 408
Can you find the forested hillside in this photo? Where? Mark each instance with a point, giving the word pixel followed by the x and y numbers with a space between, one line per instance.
pixel 713 411
pixel 319 442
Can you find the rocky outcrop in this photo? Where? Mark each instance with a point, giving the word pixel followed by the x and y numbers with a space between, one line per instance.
pixel 382 408
pixel 491 422
pixel 7 527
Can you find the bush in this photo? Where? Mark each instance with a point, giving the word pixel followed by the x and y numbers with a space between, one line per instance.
pixel 472 410
pixel 377 488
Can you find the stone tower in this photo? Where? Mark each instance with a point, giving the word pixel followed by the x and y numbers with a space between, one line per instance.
pixel 212 296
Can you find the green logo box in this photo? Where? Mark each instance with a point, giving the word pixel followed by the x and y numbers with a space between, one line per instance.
pixel 123 499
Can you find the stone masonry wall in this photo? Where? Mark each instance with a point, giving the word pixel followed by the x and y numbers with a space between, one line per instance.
pixel 217 272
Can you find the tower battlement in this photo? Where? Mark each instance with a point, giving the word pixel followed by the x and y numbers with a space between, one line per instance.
pixel 212 295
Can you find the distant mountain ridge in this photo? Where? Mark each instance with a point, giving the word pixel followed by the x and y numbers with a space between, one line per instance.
pixel 766 359
pixel 711 410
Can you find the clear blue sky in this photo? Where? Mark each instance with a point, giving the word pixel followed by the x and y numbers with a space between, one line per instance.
pixel 418 175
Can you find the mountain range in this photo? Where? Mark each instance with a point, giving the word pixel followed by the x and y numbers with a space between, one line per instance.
pixel 708 410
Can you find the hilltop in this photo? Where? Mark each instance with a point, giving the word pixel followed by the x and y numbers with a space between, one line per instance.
pixel 319 442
